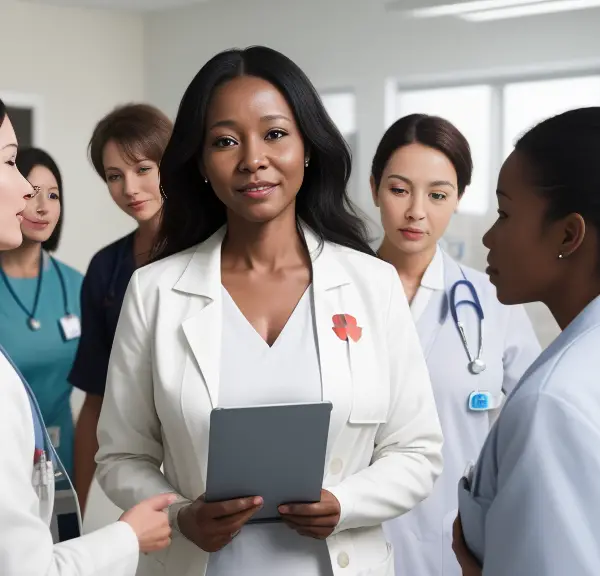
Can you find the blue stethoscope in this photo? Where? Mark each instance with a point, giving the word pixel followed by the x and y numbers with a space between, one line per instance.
pixel 476 364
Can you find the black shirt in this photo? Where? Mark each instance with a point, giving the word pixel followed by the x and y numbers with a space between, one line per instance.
pixel 102 296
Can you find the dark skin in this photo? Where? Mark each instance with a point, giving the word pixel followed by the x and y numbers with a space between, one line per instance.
pixel 532 259
pixel 252 140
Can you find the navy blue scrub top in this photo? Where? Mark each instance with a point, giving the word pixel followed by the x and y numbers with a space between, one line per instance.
pixel 102 296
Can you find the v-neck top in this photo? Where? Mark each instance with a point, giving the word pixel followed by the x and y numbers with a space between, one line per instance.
pixel 254 373
pixel 432 281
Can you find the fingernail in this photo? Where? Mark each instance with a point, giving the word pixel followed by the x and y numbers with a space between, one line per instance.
pixel 172 499
pixel 284 510
pixel 258 501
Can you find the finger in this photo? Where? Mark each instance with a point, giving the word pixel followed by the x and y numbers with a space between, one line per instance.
pixel 324 521
pixel 161 501
pixel 231 524
pixel 316 532
pixel 317 509
pixel 159 545
pixel 231 507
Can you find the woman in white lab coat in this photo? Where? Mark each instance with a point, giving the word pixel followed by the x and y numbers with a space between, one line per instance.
pixel 530 505
pixel 265 292
pixel 419 174
pixel 30 464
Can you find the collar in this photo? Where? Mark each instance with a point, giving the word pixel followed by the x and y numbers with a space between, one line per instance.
pixel 434 274
pixel 202 275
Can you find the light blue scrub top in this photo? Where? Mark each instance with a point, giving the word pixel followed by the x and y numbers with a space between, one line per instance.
pixel 44 357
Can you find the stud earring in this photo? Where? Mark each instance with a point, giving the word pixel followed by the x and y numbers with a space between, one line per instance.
pixel 561 256
pixel 306 162
pixel 206 180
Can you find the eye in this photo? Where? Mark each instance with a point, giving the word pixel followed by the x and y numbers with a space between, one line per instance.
pixel 113 177
pixel 502 215
pixel 399 191
pixel 54 196
pixel 438 196
pixel 11 162
pixel 224 142
pixel 276 134
pixel 144 169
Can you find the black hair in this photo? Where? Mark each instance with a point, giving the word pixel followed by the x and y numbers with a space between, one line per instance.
pixel 192 212
pixel 2 111
pixel 27 160
pixel 432 131
pixel 563 152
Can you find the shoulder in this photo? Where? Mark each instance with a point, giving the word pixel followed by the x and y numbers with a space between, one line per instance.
pixel 165 272
pixel 70 273
pixel 105 257
pixel 15 404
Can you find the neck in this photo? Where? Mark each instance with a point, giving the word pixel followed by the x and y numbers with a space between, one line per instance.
pixel 410 267
pixel 580 294
pixel 24 261
pixel 144 237
pixel 266 246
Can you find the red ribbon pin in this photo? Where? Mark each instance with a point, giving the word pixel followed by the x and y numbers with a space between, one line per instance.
pixel 345 326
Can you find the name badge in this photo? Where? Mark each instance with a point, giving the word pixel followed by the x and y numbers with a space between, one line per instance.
pixel 481 401
pixel 70 326
pixel 54 433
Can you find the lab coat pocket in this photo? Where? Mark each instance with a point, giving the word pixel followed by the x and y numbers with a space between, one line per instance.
pixel 370 394
pixel 472 514
pixel 386 568
pixel 450 565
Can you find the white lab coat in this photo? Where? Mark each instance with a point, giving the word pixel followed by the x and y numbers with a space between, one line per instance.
pixel 534 498
pixel 26 546
pixel 384 447
pixel 423 538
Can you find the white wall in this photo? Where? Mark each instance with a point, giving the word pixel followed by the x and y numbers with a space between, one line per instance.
pixel 80 64
pixel 355 44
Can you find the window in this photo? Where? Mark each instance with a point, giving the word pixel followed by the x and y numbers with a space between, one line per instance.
pixel 469 108
pixel 527 103
pixel 341 106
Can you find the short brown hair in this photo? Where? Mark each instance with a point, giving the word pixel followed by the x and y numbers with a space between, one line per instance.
pixel 140 131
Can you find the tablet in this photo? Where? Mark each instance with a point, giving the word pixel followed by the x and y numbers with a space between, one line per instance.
pixel 276 452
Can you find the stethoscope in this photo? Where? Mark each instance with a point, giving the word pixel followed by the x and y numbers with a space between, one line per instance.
pixel 33 323
pixel 476 364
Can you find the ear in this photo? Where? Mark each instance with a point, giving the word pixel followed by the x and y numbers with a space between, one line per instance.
pixel 374 191
pixel 573 234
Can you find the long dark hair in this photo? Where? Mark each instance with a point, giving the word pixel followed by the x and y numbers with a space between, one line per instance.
pixel 2 111
pixel 27 160
pixel 192 212
pixel 431 131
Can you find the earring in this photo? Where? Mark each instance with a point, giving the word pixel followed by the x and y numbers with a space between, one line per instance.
pixel 561 256
pixel 306 162
pixel 206 180
pixel 162 192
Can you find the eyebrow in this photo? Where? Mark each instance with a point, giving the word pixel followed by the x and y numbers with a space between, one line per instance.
pixel 267 118
pixel 434 183
pixel 501 193
pixel 11 145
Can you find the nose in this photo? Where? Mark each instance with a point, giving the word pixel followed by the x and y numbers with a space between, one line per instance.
pixel 486 240
pixel 130 186
pixel 416 208
pixel 253 156
pixel 42 203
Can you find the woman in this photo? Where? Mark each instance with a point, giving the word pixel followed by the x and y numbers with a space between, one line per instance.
pixel 258 251
pixel 125 149
pixel 29 462
pixel 530 505
pixel 419 174
pixel 39 302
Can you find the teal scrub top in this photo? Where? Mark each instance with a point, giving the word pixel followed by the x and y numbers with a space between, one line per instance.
pixel 44 357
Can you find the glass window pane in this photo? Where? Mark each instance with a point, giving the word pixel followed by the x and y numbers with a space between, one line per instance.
pixel 527 103
pixel 469 108
pixel 341 107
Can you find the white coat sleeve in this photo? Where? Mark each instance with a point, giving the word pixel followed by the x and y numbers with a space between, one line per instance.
pixel 26 547
pixel 129 431
pixel 407 456
pixel 544 518
pixel 521 348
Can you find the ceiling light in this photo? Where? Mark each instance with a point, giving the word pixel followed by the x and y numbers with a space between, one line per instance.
pixel 551 7
pixel 459 8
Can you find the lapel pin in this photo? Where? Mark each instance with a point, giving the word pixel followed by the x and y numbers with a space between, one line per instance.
pixel 346 327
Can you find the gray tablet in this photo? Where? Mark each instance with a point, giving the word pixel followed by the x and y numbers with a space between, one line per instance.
pixel 276 452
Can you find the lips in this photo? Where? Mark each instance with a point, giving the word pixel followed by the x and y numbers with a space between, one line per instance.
pixel 35 224
pixel 412 233
pixel 258 189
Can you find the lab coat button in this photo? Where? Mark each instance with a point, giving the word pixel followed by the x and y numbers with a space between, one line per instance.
pixel 336 466
pixel 343 560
